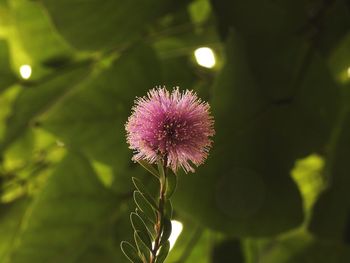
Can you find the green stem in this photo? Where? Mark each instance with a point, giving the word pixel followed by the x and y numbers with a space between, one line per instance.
pixel 160 212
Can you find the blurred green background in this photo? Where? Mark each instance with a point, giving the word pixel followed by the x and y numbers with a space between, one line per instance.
pixel 276 187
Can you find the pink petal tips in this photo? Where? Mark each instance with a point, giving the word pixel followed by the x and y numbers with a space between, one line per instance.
pixel 176 127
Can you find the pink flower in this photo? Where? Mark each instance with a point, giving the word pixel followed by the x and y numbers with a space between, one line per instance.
pixel 173 126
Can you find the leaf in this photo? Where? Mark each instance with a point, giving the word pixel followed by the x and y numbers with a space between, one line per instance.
pixel 163 253
pixel 330 214
pixel 31 19
pixel 11 216
pixel 252 141
pixel 6 101
pixel 149 224
pixel 130 252
pixel 146 195
pixel 168 209
pixel 339 62
pixel 149 167
pixel 161 171
pixel 166 232
pixel 145 206
pixel 194 244
pixel 171 184
pixel 199 11
pixel 31 102
pixel 139 225
pixel 308 173
pixel 227 250
pixel 296 246
pixel 92 119
pixel 143 249
pixel 335 27
pixel 105 25
pixel 260 17
pixel 67 216
pixel 7 77
pixel 176 69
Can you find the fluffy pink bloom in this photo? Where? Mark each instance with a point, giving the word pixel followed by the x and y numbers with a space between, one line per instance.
pixel 173 126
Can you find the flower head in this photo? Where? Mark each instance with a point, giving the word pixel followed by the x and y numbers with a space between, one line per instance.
pixel 173 126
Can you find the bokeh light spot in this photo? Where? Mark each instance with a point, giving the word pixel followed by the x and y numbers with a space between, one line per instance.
pixel 205 57
pixel 25 71
pixel 175 232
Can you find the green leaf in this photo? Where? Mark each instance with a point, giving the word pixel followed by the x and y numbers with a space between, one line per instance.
pixel 166 232
pixel 6 100
pixel 161 171
pixel 296 246
pixel 171 184
pixel 261 17
pixel 168 209
pixel 195 244
pixel 146 195
pixel 163 253
pixel 149 224
pixel 339 61
pixel 37 100
pixel 69 213
pixel 7 77
pixel 106 25
pixel 31 19
pixel 149 167
pixel 330 216
pixel 253 140
pixel 139 225
pixel 228 250
pixel 92 119
pixel 10 220
pixel 143 249
pixel 145 206
pixel 335 28
pixel 130 252
pixel 200 11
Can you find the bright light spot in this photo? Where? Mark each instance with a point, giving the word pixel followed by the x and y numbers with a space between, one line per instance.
pixel 348 71
pixel 25 71
pixel 205 57
pixel 175 232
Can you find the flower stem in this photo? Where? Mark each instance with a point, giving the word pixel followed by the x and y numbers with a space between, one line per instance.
pixel 160 213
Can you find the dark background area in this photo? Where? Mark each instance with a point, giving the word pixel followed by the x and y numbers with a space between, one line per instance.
pixel 276 186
